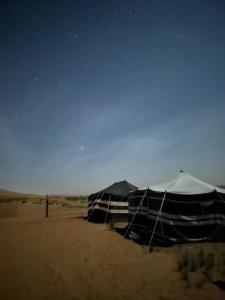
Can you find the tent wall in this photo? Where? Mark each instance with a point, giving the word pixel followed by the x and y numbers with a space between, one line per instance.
pixel 106 207
pixel 183 218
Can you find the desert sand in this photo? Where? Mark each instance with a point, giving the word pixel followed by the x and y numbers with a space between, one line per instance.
pixel 66 257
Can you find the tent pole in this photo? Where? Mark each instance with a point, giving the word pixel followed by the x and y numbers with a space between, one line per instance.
pixel 135 213
pixel 107 208
pixel 153 232
pixel 218 194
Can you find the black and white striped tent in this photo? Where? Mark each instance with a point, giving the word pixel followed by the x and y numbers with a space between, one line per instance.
pixel 110 203
pixel 183 210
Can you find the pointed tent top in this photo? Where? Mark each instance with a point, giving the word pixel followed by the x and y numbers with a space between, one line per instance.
pixel 186 184
pixel 119 188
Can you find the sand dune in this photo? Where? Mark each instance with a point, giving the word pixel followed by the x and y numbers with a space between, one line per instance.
pixel 66 257
pixel 7 195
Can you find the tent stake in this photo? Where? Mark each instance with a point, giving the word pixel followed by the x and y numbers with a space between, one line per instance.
pixel 153 232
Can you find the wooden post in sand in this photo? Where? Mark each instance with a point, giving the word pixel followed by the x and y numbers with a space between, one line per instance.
pixel 46 207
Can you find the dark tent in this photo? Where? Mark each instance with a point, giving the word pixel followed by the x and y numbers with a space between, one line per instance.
pixel 183 210
pixel 110 203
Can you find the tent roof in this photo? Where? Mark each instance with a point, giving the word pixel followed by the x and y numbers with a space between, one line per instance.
pixel 121 188
pixel 186 184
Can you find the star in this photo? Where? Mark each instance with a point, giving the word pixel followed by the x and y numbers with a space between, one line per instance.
pixel 81 148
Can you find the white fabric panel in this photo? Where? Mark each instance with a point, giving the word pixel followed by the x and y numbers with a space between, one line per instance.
pixel 186 184
pixel 111 203
pixel 111 211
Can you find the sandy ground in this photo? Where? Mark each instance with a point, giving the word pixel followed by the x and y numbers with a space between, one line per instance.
pixel 66 257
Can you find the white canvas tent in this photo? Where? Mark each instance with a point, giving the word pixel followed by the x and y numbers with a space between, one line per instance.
pixel 184 183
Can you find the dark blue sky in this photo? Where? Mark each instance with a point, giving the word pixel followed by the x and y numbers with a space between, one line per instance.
pixel 93 92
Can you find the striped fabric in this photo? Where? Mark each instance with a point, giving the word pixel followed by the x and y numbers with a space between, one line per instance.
pixel 111 203
pixel 107 207
pixel 183 218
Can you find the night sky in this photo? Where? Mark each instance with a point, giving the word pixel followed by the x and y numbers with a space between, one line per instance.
pixel 94 92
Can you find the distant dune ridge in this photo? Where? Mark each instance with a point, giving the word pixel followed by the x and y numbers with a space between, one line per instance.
pixel 9 195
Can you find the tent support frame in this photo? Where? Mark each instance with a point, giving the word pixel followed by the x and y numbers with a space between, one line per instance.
pixel 218 194
pixel 157 219
pixel 140 204
pixel 106 213
pixel 94 205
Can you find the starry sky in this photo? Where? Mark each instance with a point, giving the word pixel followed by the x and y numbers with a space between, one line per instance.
pixel 94 92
